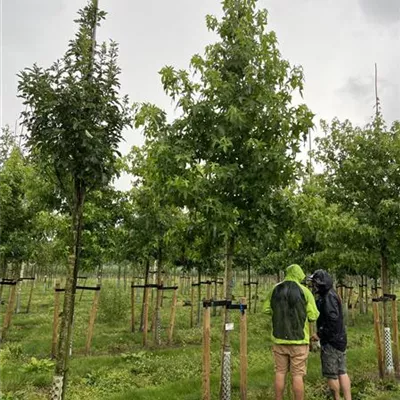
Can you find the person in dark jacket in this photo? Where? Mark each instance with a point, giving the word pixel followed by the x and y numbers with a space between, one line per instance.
pixel 331 333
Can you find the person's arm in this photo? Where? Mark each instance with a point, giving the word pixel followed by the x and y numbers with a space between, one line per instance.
pixel 267 304
pixel 312 310
pixel 332 307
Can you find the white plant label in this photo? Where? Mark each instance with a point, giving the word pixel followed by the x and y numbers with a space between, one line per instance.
pixel 229 326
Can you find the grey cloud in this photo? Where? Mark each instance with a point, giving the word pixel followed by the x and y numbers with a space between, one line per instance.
pixel 364 88
pixel 381 11
pixel 361 90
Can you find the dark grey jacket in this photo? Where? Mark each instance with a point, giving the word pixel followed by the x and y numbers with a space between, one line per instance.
pixel 330 324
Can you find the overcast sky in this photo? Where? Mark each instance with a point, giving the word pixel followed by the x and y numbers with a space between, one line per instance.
pixel 336 41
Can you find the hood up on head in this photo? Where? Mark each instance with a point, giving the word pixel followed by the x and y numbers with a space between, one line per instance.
pixel 294 273
pixel 322 281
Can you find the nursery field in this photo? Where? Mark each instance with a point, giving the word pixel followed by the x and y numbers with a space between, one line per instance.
pixel 119 367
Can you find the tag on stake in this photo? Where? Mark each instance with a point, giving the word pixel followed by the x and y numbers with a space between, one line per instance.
pixel 229 326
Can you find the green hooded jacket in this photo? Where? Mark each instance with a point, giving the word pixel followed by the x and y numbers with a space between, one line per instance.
pixel 291 306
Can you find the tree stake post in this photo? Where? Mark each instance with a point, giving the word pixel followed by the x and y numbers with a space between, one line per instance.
pixel 227 304
pixel 146 315
pixel 133 306
pixel 10 307
pixel 173 313
pixel 243 350
pixel 28 306
pixel 395 337
pixel 378 337
pixel 206 351
pixel 92 318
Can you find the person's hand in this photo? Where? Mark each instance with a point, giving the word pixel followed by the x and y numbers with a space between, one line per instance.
pixel 315 337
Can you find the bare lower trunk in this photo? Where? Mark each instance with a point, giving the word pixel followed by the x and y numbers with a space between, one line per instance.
pixel 361 296
pixel 124 277
pixel 157 338
pixel 226 346
pixel 61 367
pixel 385 285
pixel 3 271
pixel 99 274
pixel 249 285
pixel 146 281
pixel 198 295
pixel 119 276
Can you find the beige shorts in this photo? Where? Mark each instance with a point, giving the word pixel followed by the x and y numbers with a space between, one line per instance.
pixel 291 357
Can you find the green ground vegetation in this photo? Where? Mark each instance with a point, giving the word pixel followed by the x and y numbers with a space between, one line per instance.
pixel 120 368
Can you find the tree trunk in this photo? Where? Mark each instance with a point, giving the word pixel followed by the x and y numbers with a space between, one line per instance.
pixel 157 338
pixel 249 285
pixel 61 367
pixel 366 293
pixel 3 271
pixel 99 274
pixel 119 276
pixel 198 296
pixel 146 282
pixel 385 284
pixel 226 346
pixel 361 296
pixel 125 277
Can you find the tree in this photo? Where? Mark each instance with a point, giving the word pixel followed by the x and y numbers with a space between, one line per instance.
pixel 322 234
pixel 235 143
pixel 152 215
pixel 75 118
pixel 15 215
pixel 8 141
pixel 102 216
pixel 362 175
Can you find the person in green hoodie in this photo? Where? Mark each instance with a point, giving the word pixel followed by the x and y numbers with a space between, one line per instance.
pixel 292 306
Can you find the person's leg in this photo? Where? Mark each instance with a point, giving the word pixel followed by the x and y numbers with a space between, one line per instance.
pixel 298 369
pixel 334 386
pixel 344 379
pixel 345 385
pixel 279 386
pixel 298 387
pixel 330 361
pixel 281 359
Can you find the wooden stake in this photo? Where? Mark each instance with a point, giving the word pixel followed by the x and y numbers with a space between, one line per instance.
pixel 84 284
pixel 378 338
pixel 132 307
pixel 395 338
pixel 9 311
pixel 353 309
pixel 206 354
pixel 243 352
pixel 56 316
pixel 28 307
pixel 191 305
pixel 172 318
pixel 255 300
pixel 214 313
pixel 208 290
pixel 146 315
pixel 221 295
pixel 92 319
pixel 361 296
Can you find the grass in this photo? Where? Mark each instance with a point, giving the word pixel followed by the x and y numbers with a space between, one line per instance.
pixel 119 368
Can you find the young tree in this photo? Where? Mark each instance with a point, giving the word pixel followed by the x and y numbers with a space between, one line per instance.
pixel 362 175
pixel 235 143
pixel 75 118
